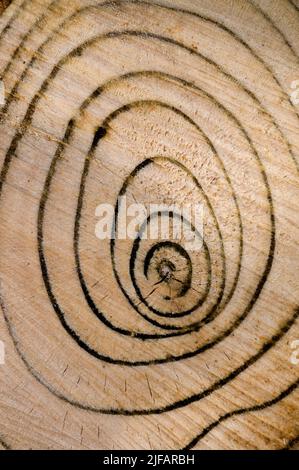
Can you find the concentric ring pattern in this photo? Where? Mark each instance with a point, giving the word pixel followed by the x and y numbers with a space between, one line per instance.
pixel 152 103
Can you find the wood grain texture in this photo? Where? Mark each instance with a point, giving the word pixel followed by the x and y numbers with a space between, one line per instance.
pixel 144 344
pixel 4 4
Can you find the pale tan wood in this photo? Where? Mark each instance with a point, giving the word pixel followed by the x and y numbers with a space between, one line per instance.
pixel 208 91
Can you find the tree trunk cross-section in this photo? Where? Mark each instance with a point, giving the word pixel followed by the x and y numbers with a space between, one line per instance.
pixel 139 343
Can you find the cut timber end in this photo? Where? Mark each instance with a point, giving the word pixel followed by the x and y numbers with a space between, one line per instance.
pixel 122 120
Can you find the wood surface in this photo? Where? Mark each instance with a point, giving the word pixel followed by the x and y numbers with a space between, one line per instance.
pixel 167 101
pixel 4 4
